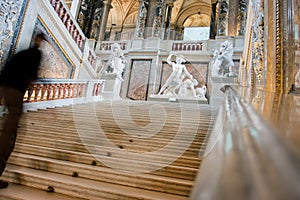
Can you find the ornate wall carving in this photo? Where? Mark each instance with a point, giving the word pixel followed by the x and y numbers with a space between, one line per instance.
pixel 258 40
pixel 10 11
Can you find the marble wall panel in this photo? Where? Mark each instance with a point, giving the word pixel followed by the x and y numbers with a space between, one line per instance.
pixel 139 79
pixel 54 63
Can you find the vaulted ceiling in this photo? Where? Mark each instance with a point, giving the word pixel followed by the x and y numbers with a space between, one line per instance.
pixel 186 13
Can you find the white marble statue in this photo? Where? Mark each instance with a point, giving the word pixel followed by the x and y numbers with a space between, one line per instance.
pixel 188 85
pixel 222 63
pixel 201 91
pixel 117 61
pixel 174 81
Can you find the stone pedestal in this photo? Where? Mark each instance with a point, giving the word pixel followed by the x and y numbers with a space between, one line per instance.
pixel 172 99
pixel 112 87
pixel 216 95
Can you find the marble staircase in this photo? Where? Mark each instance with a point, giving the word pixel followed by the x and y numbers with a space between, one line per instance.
pixel 53 154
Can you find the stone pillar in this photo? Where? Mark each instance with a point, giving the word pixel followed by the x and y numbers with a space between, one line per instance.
pixel 242 17
pixel 84 16
pixel 75 8
pixel 213 21
pixel 168 20
pixel 150 16
pixel 159 14
pixel 223 18
pixel 141 21
pixel 96 20
pixel 106 8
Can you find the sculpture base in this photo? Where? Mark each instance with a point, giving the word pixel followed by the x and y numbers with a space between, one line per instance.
pixel 112 87
pixel 172 99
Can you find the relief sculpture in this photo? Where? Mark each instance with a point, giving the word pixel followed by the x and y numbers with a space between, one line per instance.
pixel 9 12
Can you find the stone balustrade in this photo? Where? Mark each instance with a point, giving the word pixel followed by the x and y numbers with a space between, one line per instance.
pixel 106 46
pixel 92 58
pixel 187 46
pixel 69 22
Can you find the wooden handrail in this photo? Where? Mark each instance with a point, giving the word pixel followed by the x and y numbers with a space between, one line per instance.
pixel 246 158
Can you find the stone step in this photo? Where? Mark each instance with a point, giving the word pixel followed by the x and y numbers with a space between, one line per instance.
pixel 187 165
pixel 80 187
pixel 21 192
pixel 172 170
pixel 126 143
pixel 104 174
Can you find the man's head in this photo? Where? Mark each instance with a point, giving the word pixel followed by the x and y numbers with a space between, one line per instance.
pixel 39 39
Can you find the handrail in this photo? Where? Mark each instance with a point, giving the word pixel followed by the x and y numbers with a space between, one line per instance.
pixel 246 158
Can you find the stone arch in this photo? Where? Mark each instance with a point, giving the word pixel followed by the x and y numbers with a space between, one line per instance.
pixel 185 13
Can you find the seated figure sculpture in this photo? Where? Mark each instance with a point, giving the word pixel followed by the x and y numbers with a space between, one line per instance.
pixel 222 63
pixel 175 80
pixel 117 61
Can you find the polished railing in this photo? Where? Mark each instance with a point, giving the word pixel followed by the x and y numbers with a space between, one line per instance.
pixel 69 22
pixel 246 158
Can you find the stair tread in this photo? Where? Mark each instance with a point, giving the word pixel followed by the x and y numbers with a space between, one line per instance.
pixel 77 182
pixel 103 169
pixel 21 192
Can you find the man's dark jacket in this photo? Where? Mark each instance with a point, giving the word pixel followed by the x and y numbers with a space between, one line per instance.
pixel 21 69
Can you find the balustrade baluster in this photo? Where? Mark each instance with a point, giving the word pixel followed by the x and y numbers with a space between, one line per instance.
pixel 62 13
pixel 54 96
pixel 37 91
pixel 49 91
pixel 29 92
pixel 74 90
pixel 59 92
pixel 57 6
pixel 64 89
pixel 94 90
pixel 43 91
pixel 52 2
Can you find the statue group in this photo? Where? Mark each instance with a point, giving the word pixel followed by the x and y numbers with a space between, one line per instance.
pixel 222 63
pixel 180 82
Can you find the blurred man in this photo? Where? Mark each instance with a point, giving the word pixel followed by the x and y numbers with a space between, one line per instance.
pixel 18 73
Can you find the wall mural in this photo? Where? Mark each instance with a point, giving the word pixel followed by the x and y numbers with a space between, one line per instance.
pixel 11 15
pixel 198 70
pixel 139 79
pixel 54 63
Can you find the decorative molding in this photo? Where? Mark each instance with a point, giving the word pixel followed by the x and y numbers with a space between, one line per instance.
pixel 279 62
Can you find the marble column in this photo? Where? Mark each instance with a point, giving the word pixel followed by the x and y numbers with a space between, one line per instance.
pixel 96 20
pixel 168 20
pixel 213 27
pixel 141 21
pixel 106 9
pixel 223 18
pixel 159 14
pixel 84 16
pixel 242 17
pixel 150 17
